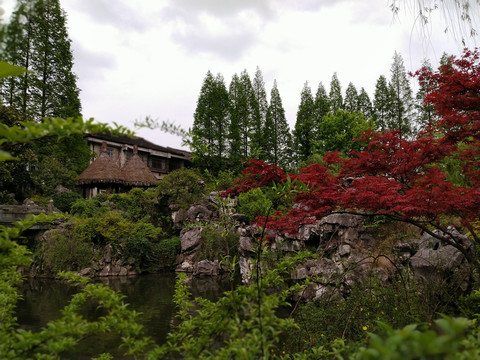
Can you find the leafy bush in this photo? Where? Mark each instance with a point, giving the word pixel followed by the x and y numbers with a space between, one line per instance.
pixel 182 187
pixel 450 339
pixel 136 204
pixel 253 203
pixel 166 252
pixel 138 245
pixel 88 208
pixel 6 198
pixel 217 242
pixel 351 318
pixel 64 201
pixel 470 304
pixel 64 252
pixel 40 200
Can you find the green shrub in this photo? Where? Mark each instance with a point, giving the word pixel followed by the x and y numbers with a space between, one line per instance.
pixel 64 252
pixel 450 338
pixel 64 201
pixel 353 317
pixel 216 243
pixel 6 198
pixel 88 208
pixel 470 304
pixel 166 252
pixel 182 187
pixel 40 200
pixel 254 203
pixel 136 204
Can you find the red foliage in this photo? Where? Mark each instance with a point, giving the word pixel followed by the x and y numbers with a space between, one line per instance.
pixel 394 176
pixel 257 174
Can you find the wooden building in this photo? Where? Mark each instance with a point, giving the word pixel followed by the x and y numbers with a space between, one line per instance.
pixel 124 162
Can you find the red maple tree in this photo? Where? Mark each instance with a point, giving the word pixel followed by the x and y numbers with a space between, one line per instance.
pixel 401 179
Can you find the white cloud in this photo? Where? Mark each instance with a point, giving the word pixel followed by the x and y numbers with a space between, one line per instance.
pixel 142 58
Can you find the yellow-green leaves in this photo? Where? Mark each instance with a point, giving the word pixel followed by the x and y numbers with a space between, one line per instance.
pixel 7 69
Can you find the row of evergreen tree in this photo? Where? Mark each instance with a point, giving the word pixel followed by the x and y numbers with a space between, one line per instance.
pixel 239 123
pixel 36 38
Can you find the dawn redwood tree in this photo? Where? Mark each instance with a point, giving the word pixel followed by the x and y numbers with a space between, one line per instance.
pixel 397 177
pixel 381 103
pixel 365 104
pixel 424 111
pixel 335 94
pixel 351 98
pixel 245 120
pixel 37 40
pixel 321 105
pixel 401 102
pixel 304 136
pixel 258 85
pixel 278 139
pixel 210 121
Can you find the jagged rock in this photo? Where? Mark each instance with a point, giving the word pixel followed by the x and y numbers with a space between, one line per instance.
pixel 107 254
pixel 206 268
pixel 245 244
pixel 240 218
pixel 344 250
pixel 185 266
pixel 60 189
pixel 85 272
pixel 198 213
pixel 28 202
pixel 406 247
pixel 289 245
pixel 105 271
pixel 179 217
pixel 190 239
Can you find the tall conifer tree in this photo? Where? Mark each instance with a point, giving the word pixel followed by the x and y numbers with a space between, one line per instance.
pixel 277 134
pixel 36 39
pixel 245 123
pixel 304 126
pixel 351 98
pixel 261 98
pixel 210 125
pixel 335 94
pixel 237 110
pixel 365 104
pixel 253 124
pixel 381 103
pixel 402 104
pixel 321 106
pixel 425 112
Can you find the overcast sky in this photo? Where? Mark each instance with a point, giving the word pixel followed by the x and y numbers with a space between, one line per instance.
pixel 149 58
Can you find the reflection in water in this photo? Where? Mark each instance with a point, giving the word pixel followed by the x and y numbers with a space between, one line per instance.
pixel 150 294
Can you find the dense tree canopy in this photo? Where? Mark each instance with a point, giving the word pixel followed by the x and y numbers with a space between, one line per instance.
pixel 401 178
pixel 36 39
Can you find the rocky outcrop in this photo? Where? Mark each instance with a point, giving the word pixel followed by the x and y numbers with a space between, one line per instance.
pixel 347 250
pixel 107 266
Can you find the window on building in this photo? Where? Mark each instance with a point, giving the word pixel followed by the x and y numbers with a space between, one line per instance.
pixel 158 163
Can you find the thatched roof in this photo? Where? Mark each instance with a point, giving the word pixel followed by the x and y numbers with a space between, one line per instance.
pixel 136 172
pixel 101 170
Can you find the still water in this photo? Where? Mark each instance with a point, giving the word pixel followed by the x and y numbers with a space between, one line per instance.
pixel 150 294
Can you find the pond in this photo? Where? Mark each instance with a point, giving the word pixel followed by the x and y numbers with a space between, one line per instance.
pixel 150 294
